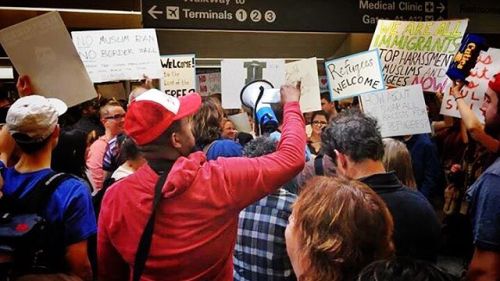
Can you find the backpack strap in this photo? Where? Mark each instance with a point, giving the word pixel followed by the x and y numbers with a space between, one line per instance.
pixel 38 197
pixel 318 165
pixel 144 246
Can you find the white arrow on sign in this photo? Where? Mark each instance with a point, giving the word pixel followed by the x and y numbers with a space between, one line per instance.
pixel 441 7
pixel 153 11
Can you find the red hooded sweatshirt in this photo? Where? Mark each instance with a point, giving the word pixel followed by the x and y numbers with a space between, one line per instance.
pixel 195 227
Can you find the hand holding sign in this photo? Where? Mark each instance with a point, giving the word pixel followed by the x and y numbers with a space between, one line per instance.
pixel 23 86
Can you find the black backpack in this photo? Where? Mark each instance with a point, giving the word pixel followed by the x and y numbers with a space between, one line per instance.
pixel 28 243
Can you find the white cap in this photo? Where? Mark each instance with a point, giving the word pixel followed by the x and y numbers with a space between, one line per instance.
pixel 33 118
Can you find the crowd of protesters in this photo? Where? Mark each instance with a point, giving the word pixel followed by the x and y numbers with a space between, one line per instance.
pixel 164 188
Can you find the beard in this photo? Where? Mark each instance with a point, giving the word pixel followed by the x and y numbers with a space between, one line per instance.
pixel 492 127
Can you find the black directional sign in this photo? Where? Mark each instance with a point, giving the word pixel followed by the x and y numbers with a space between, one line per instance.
pixel 287 15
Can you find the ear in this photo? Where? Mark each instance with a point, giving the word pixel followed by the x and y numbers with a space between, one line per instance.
pixel 54 137
pixel 342 162
pixel 175 140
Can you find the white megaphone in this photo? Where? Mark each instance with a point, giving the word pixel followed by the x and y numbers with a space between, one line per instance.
pixel 258 95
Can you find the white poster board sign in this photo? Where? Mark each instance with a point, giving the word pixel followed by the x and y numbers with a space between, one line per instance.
pixel 306 72
pixel 121 54
pixel 236 73
pixel 488 64
pixel 179 75
pixel 417 52
pixel 354 75
pixel 42 49
pixel 208 83
pixel 399 111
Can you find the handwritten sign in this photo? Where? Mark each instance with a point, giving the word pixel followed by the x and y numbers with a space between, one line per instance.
pixel 353 75
pixel 122 54
pixel 209 83
pixel 236 73
pixel 306 72
pixel 179 75
pixel 399 111
pixel 488 64
pixel 42 49
pixel 417 52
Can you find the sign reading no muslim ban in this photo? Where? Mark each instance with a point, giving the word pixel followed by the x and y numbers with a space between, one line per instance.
pixel 124 54
pixel 417 52
pixel 306 72
pixel 355 74
pixel 42 49
pixel 488 64
pixel 399 111
pixel 236 73
pixel 179 75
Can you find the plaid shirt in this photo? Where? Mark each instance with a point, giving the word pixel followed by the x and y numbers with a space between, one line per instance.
pixel 260 252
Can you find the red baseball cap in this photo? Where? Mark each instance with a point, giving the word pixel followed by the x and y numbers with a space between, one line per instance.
pixel 151 113
pixel 494 83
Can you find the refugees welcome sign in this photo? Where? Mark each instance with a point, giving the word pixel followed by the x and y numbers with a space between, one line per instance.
pixel 353 75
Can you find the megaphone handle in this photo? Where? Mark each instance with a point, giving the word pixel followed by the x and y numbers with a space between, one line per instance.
pixel 259 97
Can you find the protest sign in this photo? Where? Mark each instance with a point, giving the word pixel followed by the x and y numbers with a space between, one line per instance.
pixel 323 83
pixel 112 90
pixel 488 64
pixel 306 72
pixel 179 75
pixel 417 52
pixel 355 74
pixel 236 73
pixel 42 49
pixel 208 83
pixel 241 122
pixel 399 111
pixel 122 54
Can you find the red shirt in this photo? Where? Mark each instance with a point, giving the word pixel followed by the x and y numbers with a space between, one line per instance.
pixel 195 228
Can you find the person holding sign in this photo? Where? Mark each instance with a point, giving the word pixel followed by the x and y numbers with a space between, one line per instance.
pixel 484 194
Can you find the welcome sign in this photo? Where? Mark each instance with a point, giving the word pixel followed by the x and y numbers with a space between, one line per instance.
pixel 355 74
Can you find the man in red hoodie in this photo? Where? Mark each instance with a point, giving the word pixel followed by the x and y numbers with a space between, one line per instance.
pixel 196 221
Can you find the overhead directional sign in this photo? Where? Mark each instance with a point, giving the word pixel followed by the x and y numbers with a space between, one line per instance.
pixel 286 15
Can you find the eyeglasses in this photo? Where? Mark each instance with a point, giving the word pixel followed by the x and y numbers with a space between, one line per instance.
pixel 317 123
pixel 115 117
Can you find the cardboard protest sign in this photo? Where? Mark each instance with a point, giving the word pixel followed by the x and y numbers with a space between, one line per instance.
pixel 179 75
pixel 236 73
pixel 42 49
pixel 112 90
pixel 355 74
pixel 417 52
pixel 122 54
pixel 399 111
pixel 209 83
pixel 241 122
pixel 306 72
pixel 488 64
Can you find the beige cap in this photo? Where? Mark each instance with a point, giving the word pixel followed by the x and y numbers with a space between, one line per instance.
pixel 33 118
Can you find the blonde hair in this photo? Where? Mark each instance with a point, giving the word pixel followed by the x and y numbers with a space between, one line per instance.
pixel 342 225
pixel 397 158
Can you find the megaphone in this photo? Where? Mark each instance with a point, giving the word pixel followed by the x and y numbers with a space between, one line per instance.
pixel 258 95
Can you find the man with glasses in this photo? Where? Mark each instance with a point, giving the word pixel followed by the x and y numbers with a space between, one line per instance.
pixel 112 116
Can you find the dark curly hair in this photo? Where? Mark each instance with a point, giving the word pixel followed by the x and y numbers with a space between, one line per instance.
pixel 354 134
